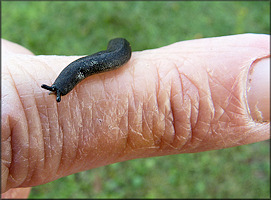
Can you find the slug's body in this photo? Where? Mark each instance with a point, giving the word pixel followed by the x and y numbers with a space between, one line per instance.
pixel 118 52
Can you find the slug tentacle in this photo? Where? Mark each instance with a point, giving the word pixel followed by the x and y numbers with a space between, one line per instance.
pixel 48 87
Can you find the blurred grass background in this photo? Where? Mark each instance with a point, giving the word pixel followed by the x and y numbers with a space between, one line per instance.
pixel 80 28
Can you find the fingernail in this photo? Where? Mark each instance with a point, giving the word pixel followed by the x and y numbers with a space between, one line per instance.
pixel 258 90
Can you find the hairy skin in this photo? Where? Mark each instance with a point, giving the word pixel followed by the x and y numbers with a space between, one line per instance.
pixel 186 97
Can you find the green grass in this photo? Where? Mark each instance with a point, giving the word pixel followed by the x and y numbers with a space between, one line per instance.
pixel 80 28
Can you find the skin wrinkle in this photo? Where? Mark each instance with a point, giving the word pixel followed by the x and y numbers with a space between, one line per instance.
pixel 42 116
pixel 11 181
pixel 136 122
pixel 50 112
pixel 169 117
pixel 84 138
pixel 201 97
pixel 162 108
pixel 187 89
pixel 42 160
pixel 39 123
pixel 65 162
pixel 248 132
pixel 127 127
pixel 168 132
pixel 138 128
pixel 123 122
pixel 143 117
pixel 7 154
pixel 60 131
pixel 213 103
pixel 4 175
pixel 127 146
pixel 130 105
pixel 236 99
pixel 76 143
pixel 152 128
pixel 165 94
pixel 144 108
pixel 196 111
pixel 75 154
pixel 146 120
pixel 231 92
pixel 230 104
pixel 143 121
pixel 213 131
pixel 189 129
pixel 200 132
pixel 80 128
pixel 51 153
pixel 156 138
pixel 32 175
pixel 118 110
pixel 65 159
pixel 160 136
pixel 174 108
pixel 150 125
pixel 183 92
pixel 39 162
pixel 194 134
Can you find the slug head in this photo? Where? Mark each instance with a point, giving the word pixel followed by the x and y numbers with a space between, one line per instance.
pixel 53 90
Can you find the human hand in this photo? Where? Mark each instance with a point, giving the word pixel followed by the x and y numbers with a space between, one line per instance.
pixel 190 96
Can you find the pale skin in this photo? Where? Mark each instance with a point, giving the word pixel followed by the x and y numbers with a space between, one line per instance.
pixel 187 97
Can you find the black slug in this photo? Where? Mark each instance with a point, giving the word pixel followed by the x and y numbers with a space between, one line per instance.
pixel 118 52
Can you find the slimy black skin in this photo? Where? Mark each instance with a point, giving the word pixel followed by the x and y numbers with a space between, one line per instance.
pixel 118 52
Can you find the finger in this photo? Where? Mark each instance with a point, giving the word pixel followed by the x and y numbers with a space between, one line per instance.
pixel 16 193
pixel 186 97
pixel 13 48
